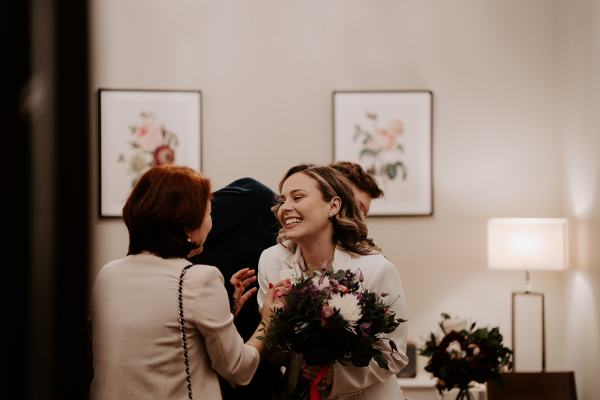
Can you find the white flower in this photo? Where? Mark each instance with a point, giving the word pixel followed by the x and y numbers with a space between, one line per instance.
pixel 454 324
pixel 300 327
pixel 321 281
pixel 347 306
pixel 455 350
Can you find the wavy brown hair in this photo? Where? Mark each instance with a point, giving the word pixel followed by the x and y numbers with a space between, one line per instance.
pixel 167 202
pixel 349 229
pixel 359 178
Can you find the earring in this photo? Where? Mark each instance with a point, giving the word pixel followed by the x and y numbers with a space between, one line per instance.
pixel 189 239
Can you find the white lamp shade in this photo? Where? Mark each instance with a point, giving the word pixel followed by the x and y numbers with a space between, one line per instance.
pixel 527 243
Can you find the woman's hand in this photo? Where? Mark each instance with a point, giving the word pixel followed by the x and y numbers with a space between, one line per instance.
pixel 271 304
pixel 273 299
pixel 241 281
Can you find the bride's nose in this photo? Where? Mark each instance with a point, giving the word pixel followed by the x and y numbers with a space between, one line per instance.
pixel 285 205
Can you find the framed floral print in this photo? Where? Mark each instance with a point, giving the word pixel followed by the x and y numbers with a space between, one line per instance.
pixel 139 129
pixel 389 133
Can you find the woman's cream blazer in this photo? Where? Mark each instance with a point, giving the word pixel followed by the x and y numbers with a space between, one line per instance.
pixel 136 335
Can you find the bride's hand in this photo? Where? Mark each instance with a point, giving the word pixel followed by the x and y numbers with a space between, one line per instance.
pixel 241 281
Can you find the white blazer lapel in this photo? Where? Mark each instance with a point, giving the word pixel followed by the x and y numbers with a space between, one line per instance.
pixel 341 259
pixel 292 270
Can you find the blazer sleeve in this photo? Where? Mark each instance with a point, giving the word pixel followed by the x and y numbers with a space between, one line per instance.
pixel 382 278
pixel 209 311
pixel 264 265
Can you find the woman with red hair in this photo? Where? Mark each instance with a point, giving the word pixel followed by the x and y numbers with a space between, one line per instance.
pixel 162 327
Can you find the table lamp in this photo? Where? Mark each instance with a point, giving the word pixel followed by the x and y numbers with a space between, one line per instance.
pixel 528 244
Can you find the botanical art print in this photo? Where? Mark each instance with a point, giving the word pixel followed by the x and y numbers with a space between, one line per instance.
pixel 142 129
pixel 151 144
pixel 389 134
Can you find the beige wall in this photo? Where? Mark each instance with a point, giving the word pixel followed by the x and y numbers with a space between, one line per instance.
pixel 267 69
pixel 580 125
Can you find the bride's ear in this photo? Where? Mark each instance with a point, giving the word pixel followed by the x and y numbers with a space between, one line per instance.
pixel 335 204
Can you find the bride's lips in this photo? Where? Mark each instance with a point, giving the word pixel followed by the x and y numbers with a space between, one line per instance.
pixel 291 222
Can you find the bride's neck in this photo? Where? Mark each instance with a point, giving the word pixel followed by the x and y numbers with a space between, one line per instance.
pixel 317 254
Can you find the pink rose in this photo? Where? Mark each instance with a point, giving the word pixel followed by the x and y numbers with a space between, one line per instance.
pixel 148 135
pixel 327 311
pixel 282 291
pixel 396 127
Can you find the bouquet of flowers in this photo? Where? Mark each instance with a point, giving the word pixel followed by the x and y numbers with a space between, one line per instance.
pixel 329 318
pixel 461 357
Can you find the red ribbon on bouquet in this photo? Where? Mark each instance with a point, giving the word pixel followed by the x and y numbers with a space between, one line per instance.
pixel 314 386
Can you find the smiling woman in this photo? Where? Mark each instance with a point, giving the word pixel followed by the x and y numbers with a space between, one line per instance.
pixel 322 228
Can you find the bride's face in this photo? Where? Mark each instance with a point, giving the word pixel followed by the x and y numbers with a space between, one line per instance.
pixel 303 213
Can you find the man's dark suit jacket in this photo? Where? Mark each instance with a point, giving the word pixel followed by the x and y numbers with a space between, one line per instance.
pixel 243 226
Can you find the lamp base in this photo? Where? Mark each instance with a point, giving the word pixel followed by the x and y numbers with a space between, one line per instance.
pixel 528 293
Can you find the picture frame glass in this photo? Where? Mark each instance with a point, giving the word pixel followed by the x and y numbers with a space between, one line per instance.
pixel 389 133
pixel 139 129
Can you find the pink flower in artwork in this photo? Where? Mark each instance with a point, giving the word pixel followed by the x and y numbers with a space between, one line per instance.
pixel 381 150
pixel 396 127
pixel 373 145
pixel 164 155
pixel 148 135
pixel 387 138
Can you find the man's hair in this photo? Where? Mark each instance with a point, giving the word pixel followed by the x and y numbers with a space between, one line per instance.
pixel 359 177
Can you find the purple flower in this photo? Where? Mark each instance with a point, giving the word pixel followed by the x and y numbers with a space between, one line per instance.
pixel 365 328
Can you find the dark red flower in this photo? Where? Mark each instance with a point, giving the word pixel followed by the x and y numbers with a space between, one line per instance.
pixel 164 155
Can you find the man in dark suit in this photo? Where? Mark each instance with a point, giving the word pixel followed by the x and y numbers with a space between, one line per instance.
pixel 243 226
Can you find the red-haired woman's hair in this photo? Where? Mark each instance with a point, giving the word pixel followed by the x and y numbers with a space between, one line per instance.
pixel 167 202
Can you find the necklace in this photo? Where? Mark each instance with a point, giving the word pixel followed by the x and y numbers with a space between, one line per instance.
pixel 324 266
